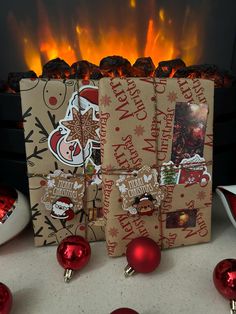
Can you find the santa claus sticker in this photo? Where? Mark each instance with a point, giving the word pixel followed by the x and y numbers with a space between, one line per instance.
pixel 77 135
pixel 62 208
pixel 63 195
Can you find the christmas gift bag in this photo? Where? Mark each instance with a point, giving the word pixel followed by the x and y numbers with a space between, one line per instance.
pixel 156 149
pixel 63 158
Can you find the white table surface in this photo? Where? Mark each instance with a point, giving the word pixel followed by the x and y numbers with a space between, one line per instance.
pixel 181 284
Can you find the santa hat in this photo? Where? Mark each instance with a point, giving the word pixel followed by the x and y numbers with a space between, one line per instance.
pixel 146 197
pixel 90 94
pixel 54 139
pixel 64 201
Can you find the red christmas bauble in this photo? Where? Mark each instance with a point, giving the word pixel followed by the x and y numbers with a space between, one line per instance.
pixel 143 255
pixel 8 197
pixel 73 252
pixel 124 310
pixel 5 299
pixel 224 277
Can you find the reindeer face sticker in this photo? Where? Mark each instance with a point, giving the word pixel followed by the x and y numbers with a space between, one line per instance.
pixel 144 204
pixel 52 98
pixel 78 133
pixel 140 191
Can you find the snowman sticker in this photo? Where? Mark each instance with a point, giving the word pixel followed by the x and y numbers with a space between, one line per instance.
pixel 77 135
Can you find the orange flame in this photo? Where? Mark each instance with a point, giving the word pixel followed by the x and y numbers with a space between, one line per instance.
pixel 161 43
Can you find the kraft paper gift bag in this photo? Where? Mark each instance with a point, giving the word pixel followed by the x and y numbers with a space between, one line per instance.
pixel 156 148
pixel 63 158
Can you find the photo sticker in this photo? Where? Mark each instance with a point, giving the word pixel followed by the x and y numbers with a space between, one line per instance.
pixel 189 131
pixel 181 219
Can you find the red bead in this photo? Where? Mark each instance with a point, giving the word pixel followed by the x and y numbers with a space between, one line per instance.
pixel 143 255
pixel 73 252
pixel 224 277
pixel 124 310
pixel 5 299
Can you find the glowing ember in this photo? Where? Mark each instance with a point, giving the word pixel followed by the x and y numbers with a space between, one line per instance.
pixel 157 38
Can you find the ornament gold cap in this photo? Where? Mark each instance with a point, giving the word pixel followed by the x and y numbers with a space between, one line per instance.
pixel 232 306
pixel 68 275
pixel 129 271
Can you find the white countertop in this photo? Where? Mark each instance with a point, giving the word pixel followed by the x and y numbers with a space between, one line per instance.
pixel 181 284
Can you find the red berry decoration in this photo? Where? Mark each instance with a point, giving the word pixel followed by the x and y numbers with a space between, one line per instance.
pixel 143 256
pixel 124 310
pixel 73 253
pixel 5 299
pixel 224 277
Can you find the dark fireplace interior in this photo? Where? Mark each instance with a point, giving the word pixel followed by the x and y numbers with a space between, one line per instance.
pixel 188 38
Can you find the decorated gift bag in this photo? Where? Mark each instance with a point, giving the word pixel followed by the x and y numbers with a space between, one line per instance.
pixel 156 148
pixel 63 158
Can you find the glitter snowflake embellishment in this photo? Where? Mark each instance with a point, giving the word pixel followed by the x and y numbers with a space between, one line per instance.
pixel 105 100
pixel 113 232
pixel 172 96
pixel 139 130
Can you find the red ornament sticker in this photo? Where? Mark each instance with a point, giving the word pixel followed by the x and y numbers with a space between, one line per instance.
pixel 63 195
pixel 140 191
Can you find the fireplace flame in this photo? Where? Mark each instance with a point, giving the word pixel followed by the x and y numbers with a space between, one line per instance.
pixel 160 40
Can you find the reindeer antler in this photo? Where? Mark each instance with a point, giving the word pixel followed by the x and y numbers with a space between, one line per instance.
pixel 50 224
pixel 52 118
pixel 27 114
pixel 42 130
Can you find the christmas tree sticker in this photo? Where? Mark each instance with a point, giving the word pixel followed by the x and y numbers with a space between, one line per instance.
pixel 169 174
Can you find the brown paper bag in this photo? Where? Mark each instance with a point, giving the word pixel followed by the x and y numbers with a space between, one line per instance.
pixel 156 148
pixel 63 158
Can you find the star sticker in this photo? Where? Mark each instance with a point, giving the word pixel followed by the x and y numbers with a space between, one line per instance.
pixel 81 127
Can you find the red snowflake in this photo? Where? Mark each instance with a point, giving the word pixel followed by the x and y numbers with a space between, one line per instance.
pixel 105 100
pixel 201 195
pixel 113 232
pixel 139 130
pixel 172 96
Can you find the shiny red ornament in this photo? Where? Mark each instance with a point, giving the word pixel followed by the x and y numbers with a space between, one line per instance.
pixel 143 256
pixel 8 197
pixel 5 299
pixel 224 278
pixel 73 253
pixel 124 310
